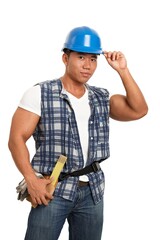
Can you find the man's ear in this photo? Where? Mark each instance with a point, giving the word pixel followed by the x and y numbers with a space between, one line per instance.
pixel 65 58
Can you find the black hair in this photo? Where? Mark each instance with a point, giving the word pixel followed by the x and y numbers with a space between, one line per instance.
pixel 67 51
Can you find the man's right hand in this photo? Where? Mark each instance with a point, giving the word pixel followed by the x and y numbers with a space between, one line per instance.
pixel 37 189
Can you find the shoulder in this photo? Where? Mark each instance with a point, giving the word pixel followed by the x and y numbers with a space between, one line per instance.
pixel 31 100
pixel 48 84
pixel 98 90
pixel 33 91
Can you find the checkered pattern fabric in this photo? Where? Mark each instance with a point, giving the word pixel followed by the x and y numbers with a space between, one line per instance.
pixel 57 133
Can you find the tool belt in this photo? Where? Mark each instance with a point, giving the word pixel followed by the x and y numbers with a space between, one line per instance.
pixel 22 186
pixel 94 167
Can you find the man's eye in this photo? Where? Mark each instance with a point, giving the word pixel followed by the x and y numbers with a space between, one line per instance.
pixel 81 57
pixel 94 60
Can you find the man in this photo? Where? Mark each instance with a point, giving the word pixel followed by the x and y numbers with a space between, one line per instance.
pixel 67 116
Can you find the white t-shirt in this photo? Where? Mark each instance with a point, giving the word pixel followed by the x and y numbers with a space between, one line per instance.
pixel 31 101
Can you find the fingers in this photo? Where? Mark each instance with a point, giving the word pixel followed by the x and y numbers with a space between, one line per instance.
pixel 45 199
pixel 42 196
pixel 113 55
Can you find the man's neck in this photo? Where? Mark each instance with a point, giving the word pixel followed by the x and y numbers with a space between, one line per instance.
pixel 76 89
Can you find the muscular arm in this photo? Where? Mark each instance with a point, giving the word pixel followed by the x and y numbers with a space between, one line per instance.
pixel 131 106
pixel 22 127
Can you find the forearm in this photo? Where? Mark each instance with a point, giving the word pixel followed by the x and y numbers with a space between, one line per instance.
pixel 132 105
pixel 21 157
pixel 36 187
pixel 134 96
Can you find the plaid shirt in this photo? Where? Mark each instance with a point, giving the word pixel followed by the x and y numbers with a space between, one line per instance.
pixel 57 133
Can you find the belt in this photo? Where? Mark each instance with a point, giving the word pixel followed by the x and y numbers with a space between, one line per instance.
pixel 94 167
pixel 82 184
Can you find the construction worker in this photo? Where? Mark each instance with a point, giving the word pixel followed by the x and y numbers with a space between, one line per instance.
pixel 68 116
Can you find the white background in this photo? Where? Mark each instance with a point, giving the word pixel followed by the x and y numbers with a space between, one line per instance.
pixel 32 33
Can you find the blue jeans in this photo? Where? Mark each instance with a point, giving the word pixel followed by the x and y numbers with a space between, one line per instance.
pixel 85 218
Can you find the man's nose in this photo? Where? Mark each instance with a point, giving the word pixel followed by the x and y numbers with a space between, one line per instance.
pixel 87 64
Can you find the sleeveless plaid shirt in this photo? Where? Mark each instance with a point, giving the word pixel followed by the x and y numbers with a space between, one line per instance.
pixel 57 133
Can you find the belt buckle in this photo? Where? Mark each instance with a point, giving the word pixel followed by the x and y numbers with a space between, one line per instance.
pixel 96 167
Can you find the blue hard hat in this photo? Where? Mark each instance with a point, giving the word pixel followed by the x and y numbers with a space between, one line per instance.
pixel 83 39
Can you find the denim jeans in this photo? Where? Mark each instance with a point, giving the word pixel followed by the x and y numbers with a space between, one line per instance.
pixel 85 218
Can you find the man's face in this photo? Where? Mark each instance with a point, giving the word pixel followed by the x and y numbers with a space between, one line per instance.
pixel 80 66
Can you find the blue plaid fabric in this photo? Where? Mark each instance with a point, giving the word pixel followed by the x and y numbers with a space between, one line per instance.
pixel 57 133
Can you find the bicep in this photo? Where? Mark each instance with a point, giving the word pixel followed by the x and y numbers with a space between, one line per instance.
pixel 23 124
pixel 120 110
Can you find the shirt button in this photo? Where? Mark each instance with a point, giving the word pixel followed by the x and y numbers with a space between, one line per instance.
pixel 91 138
pixel 91 122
